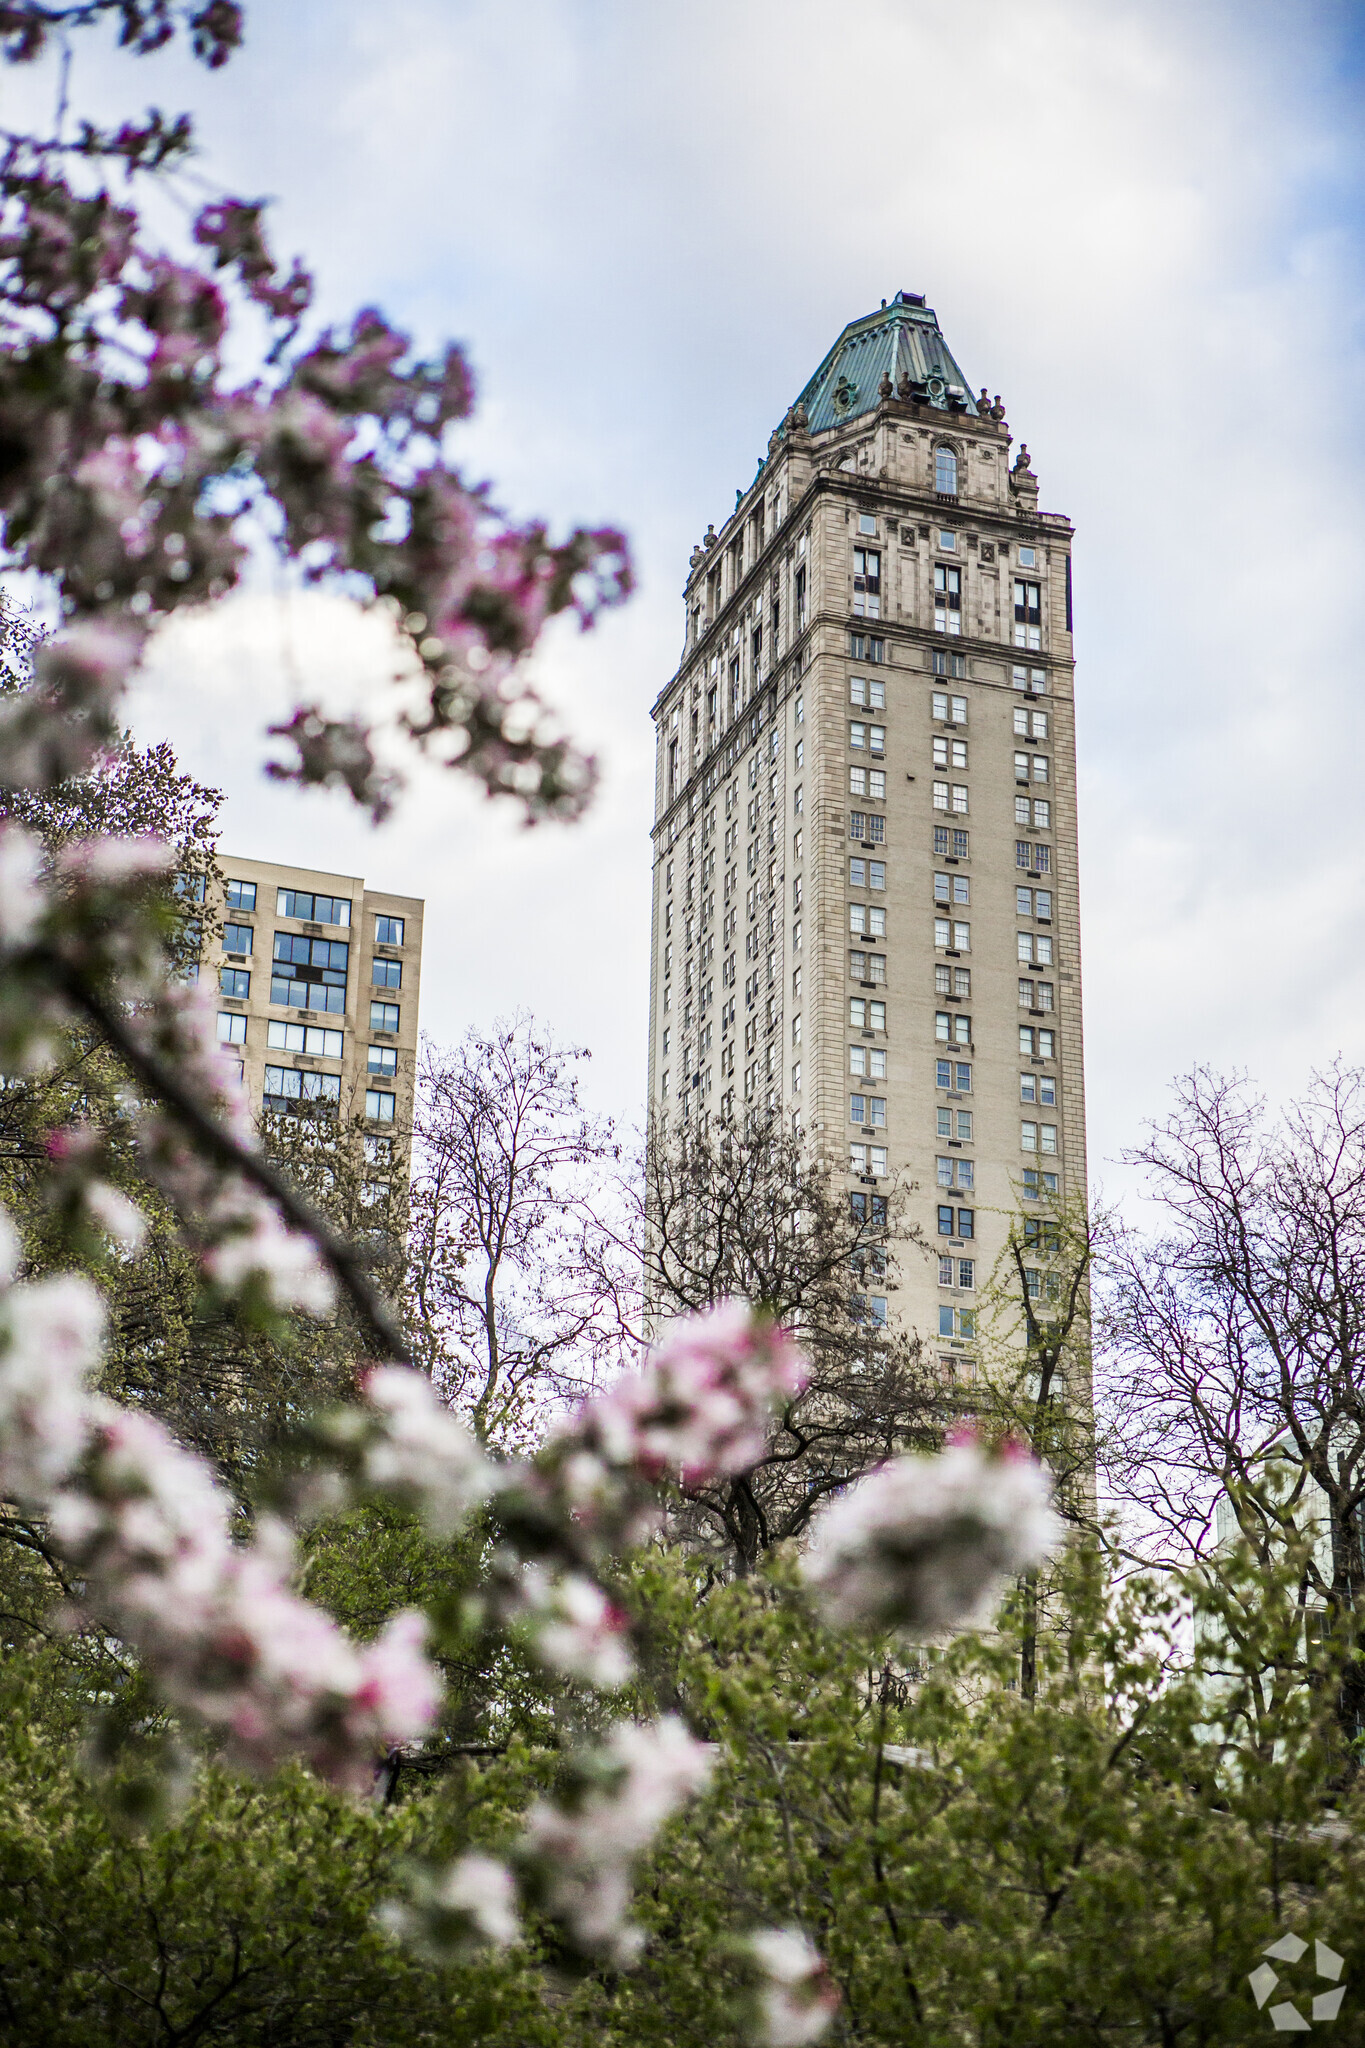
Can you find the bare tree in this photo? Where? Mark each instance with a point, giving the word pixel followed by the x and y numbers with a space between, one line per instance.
pixel 1034 1341
pixel 508 1172
pixel 748 1210
pixel 1234 1342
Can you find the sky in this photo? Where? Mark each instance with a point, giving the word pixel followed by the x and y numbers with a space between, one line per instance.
pixel 1141 223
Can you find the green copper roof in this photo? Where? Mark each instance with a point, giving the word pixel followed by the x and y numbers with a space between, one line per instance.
pixel 901 342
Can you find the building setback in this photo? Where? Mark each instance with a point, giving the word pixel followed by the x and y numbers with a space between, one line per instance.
pixel 318 985
pixel 865 906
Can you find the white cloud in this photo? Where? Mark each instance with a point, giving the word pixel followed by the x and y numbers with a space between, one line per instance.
pixel 1139 221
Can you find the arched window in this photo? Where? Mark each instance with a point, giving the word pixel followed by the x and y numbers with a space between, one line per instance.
pixel 945 471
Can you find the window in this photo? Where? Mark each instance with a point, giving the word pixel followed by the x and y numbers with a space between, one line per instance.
pixel 316 1039
pixel 876 739
pixel 1038 1186
pixel 867 1208
pixel 1029 725
pixel 1034 948
pixel 866 647
pixel 1021 771
pixel 857 1109
pixel 965 1220
pixel 240 895
pixel 952 1028
pixel 956 1322
pixel 796 1078
pixel 1047 1235
pixel 868 1061
pixel 857 735
pixel 316 909
pixel 952 710
pixel 869 918
pixel 955 1074
pixel 866 826
pixel 865 1016
pixel 383 1059
pixel 867 966
pixel 237 938
pixel 1027 855
pixel 1028 1137
pixel 946 664
pixel 1040 1088
pixel 945 472
pixel 1047 1138
pixel 947 599
pixel 235 983
pixel 952 889
pixel 950 843
pixel 1026 899
pixel 287 1090
pixel 1034 682
pixel 190 888
pixel 799 713
pixel 309 974
pixel 386 973
pixel 1028 613
pixel 231 1028
pixel 383 1016
pixel 966 1274
pixel 954 1123
pixel 949 753
pixel 1042 815
pixel 379 1105
pixel 866 691
pixel 956 1173
pixel 947 541
pixel 1028 558
pixel 388 931
pixel 868 782
pixel 867 583
pixel 952 981
pixel 945 1220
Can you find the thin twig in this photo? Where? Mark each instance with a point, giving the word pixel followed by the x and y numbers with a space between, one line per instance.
pixel 342 1257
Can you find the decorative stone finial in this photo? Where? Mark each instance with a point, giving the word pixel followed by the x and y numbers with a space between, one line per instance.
pixel 885 389
pixel 708 539
pixel 903 387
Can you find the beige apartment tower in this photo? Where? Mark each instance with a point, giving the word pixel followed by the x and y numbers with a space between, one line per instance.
pixel 865 908
pixel 318 981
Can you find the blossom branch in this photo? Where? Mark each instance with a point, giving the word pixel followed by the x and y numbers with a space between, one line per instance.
pixel 226 1151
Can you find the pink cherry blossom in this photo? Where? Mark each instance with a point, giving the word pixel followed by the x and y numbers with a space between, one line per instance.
pixel 796 2000
pixel 929 1543
pixel 22 901
pixel 702 1404
pixel 581 1854
pixel 420 1452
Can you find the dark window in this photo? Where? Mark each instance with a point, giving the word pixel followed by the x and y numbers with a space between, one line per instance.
pixel 291 1092
pixel 190 888
pixel 383 1016
pixel 240 895
pixel 966 1223
pixel 388 931
pixel 314 909
pixel 387 973
pixel 309 974
pixel 945 1220
pixel 234 982
pixel 237 938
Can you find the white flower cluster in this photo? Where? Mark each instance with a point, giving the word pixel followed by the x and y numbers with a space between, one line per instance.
pixel 796 2000
pixel 572 1626
pixel 926 1543
pixel 702 1404
pixel 473 1900
pixel 151 1534
pixel 581 1855
pixel 420 1453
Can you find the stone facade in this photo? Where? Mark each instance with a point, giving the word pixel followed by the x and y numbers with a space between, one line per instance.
pixel 866 754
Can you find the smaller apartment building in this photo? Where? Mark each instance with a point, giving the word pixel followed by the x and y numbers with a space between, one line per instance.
pixel 318 984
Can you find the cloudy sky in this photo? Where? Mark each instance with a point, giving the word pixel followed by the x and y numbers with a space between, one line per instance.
pixel 1139 222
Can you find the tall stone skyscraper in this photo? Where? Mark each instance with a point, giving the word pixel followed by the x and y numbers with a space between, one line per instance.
pixel 865 905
